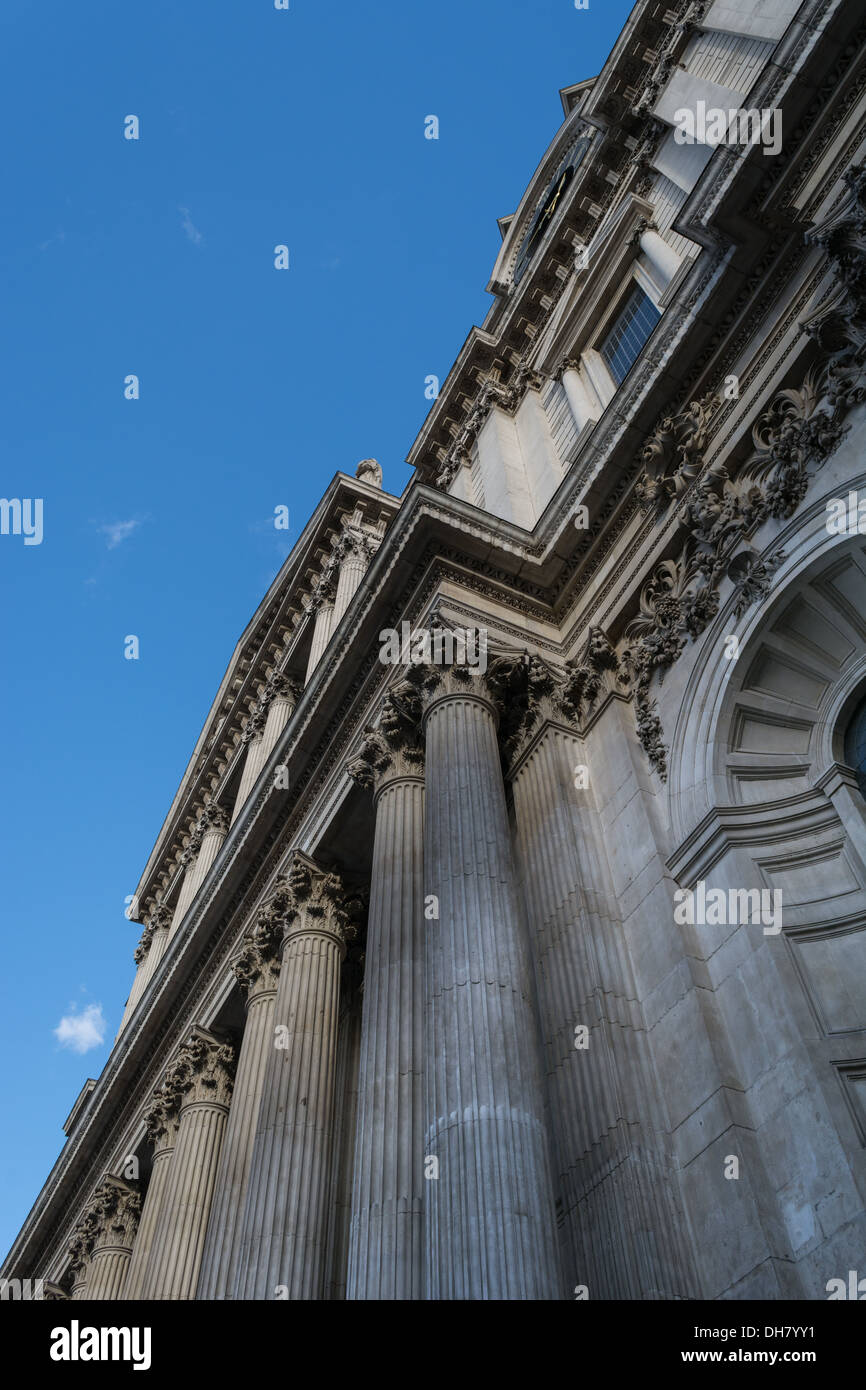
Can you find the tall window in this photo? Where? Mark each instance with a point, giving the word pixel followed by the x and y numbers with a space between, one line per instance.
pixel 855 745
pixel 634 323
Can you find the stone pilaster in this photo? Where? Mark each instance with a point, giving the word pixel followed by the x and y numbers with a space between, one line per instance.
pixel 117 1206
pixel 148 954
pixel 200 853
pixel 257 970
pixel 322 606
pixel 203 1071
pixel 386 1242
pixel 161 1123
pixel 490 1212
pixel 284 1226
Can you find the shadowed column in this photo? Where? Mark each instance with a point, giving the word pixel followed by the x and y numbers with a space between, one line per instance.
pixel 386 1244
pixel 161 1122
pixel 204 1073
pixel 257 969
pixel 284 1227
pixel 490 1216
pixel 148 954
pixel 118 1207
pixel 264 726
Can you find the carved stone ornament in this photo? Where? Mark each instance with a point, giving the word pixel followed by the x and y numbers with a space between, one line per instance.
pixel 673 456
pixel 117 1208
pixel 321 901
pixel 369 471
pixel 257 965
pixel 83 1239
pixel 721 506
pixel 144 943
pixel 324 590
pixel 396 747
pixel 214 817
pixel 161 1118
pixel 353 542
pixel 204 1070
pixel 277 686
pixel 596 673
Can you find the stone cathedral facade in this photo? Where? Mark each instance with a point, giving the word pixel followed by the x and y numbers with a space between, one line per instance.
pixel 530 962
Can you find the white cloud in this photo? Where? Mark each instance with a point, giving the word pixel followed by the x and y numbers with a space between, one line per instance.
pixel 117 531
pixel 189 227
pixel 82 1032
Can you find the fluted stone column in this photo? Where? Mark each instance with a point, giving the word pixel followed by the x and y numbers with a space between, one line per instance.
pixel 621 1233
pixel 323 607
pixel 203 848
pixel 161 1123
pixel 386 1241
pixel 204 1072
pixel 257 970
pixel 353 552
pixel 118 1207
pixel 284 1226
pixel 490 1213
pixel 345 1125
pixel 147 957
pixel 265 724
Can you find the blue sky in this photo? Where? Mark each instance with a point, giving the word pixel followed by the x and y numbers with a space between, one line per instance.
pixel 155 257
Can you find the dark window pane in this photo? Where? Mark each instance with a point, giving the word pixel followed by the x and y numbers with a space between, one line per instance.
pixel 855 745
pixel 635 322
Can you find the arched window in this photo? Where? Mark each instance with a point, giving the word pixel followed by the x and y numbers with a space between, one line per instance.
pixel 855 745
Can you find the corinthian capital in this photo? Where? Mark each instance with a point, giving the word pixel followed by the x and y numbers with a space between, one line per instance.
pixel 214 817
pixel 83 1238
pixel 160 918
pixel 321 901
pixel 353 541
pixel 161 1117
pixel 116 1206
pixel 205 1069
pixel 280 686
pixel 523 687
pixel 324 591
pixel 144 942
pixel 257 965
pixel 396 747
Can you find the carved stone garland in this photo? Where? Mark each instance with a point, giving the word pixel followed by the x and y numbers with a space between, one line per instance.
pixel 718 509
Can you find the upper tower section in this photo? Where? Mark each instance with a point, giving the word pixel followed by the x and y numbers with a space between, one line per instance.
pixel 595 251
